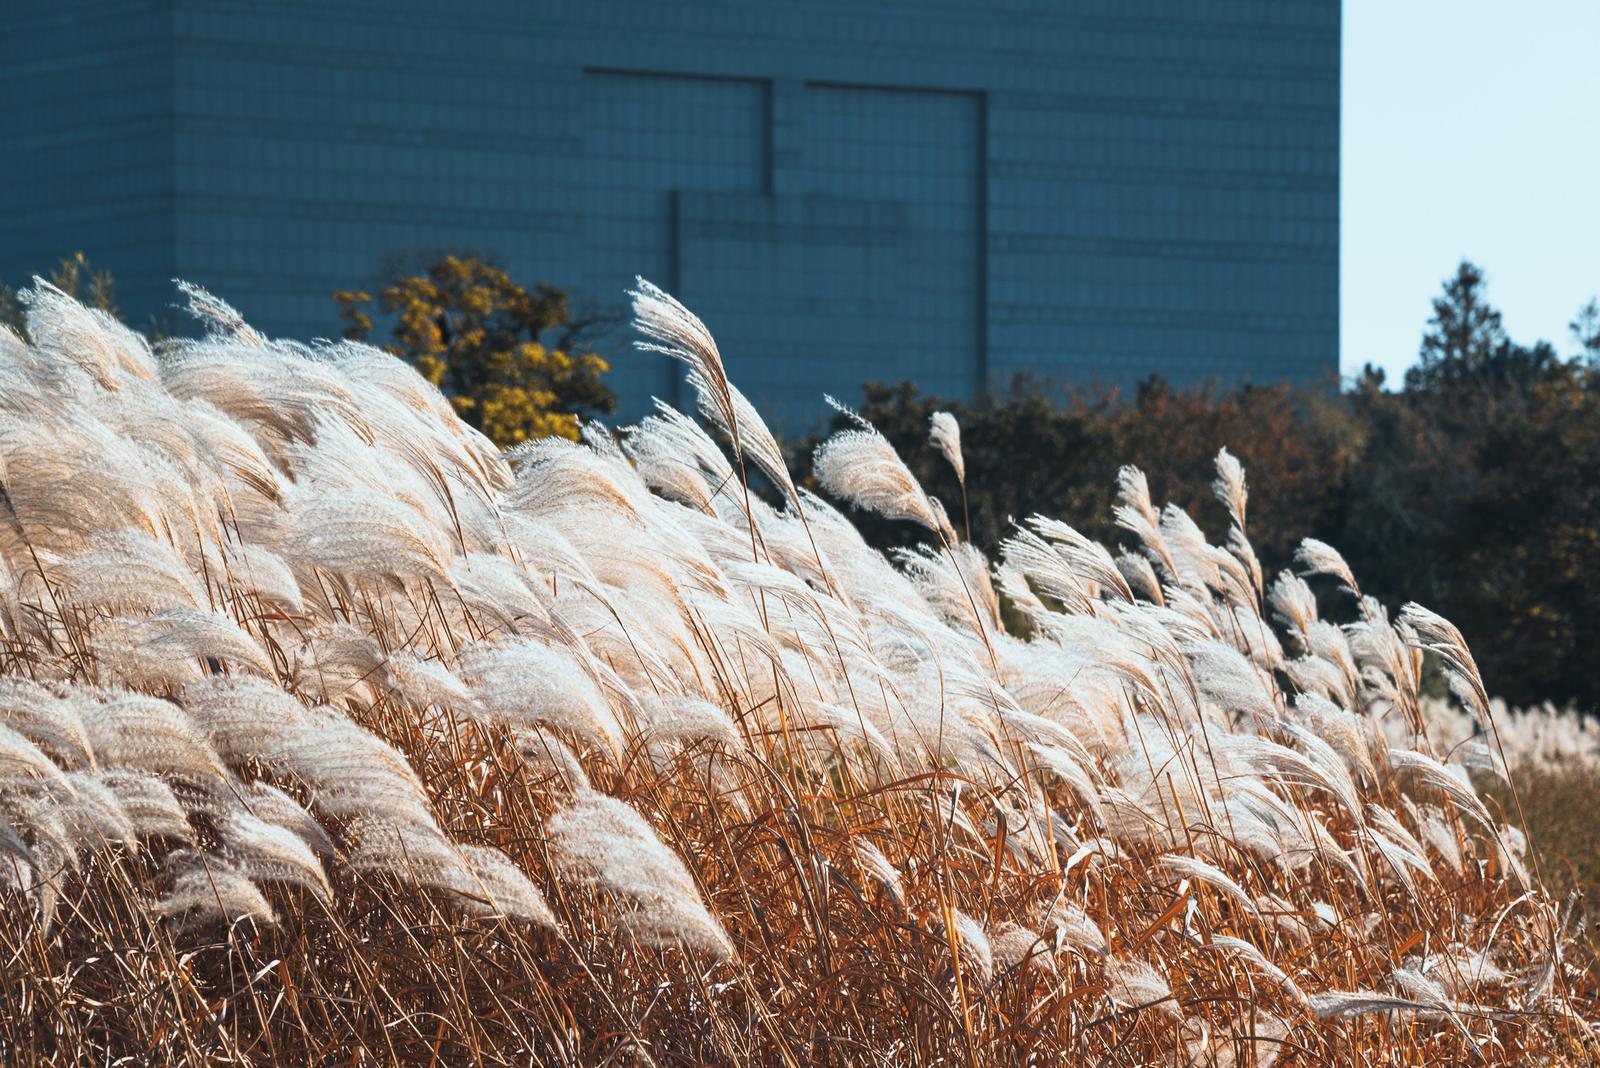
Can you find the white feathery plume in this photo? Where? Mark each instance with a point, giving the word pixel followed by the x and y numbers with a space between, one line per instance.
pixel 1133 984
pixel 1320 558
pixel 977 956
pixel 1261 963
pixel 243 717
pixel 262 572
pixel 945 434
pixel 685 720
pixel 1073 927
pixel 351 771
pixel 879 867
pixel 605 843
pixel 1140 577
pixel 1030 558
pixel 135 732
pixel 424 683
pixel 1338 1004
pixel 1015 946
pixel 1137 515
pixel 271 390
pixel 1440 777
pixel 334 660
pixel 94 814
pixel 1214 877
pixel 148 802
pixel 679 460
pixel 1435 831
pixel 231 450
pixel 181 634
pixel 206 889
pixel 21 758
pixel 861 467
pixel 414 853
pixel 522 682
pixel 1433 995
pixel 359 533
pixel 675 331
pixel 1438 635
pixel 503 888
pixel 270 804
pixel 129 569
pixel 50 722
pixel 216 314
pixel 547 753
pixel 754 440
pixel 64 332
pixel 1087 558
pixel 266 852
pixel 1229 486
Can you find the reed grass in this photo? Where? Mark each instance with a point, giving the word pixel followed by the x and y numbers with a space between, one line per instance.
pixel 329 734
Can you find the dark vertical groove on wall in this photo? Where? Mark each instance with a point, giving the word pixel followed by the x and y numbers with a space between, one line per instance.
pixel 675 287
pixel 981 387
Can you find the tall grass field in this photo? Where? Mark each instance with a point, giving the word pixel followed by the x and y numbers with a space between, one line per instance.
pixel 330 734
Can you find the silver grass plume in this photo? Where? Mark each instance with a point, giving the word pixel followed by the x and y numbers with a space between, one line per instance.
pixel 522 682
pixel 755 440
pixel 675 331
pixel 503 889
pixel 1320 558
pixel 266 852
pixel 1088 559
pixel 945 434
pixel 862 467
pixel 880 868
pixel 977 956
pixel 1261 963
pixel 63 331
pixel 1229 487
pixel 129 569
pixel 216 314
pixel 1438 635
pixel 135 732
pixel 1073 927
pixel 1201 872
pixel 271 805
pixel 1292 602
pixel 1016 946
pixel 605 843
pixel 149 804
pixel 358 532
pixel 547 754
pixel 243 717
pixel 206 889
pixel 417 854
pixel 1454 786
pixel 49 721
pixel 1132 983
pixel 349 771
pixel 1337 1004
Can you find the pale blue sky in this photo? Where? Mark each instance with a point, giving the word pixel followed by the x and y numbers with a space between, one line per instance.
pixel 1471 129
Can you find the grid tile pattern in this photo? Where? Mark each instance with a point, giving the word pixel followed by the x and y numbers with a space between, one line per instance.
pixel 958 191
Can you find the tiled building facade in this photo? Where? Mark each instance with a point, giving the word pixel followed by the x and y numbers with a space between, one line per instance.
pixel 954 191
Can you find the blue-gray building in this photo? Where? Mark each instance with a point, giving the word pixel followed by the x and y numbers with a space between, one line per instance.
pixel 954 191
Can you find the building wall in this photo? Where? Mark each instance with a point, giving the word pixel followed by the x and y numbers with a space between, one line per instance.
pixel 956 191
pixel 86 140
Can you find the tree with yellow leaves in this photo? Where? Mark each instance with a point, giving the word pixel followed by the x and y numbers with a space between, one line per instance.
pixel 510 360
